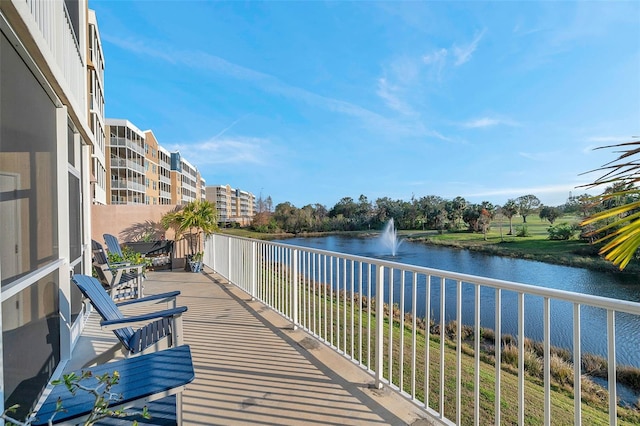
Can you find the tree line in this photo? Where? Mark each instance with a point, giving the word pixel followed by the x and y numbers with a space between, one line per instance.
pixel 430 212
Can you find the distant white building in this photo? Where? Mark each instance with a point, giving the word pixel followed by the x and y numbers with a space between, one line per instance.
pixel 232 205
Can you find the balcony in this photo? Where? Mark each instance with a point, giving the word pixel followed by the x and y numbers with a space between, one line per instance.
pixel 278 330
pixel 252 367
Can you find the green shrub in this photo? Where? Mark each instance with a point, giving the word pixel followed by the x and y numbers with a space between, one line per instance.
pixel 522 231
pixel 562 231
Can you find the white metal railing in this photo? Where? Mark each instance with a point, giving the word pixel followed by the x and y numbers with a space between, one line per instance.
pixel 335 297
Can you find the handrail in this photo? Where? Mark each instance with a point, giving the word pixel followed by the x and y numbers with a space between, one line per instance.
pixel 329 294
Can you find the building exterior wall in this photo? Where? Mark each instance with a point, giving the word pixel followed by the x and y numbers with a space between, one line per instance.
pixel 152 169
pixel 95 80
pixel 45 162
pixel 232 205
pixel 128 222
pixel 164 176
pixel 126 163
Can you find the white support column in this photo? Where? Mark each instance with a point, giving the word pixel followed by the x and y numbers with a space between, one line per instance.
pixel 64 276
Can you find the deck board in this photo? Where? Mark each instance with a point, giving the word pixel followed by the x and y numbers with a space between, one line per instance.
pixel 253 368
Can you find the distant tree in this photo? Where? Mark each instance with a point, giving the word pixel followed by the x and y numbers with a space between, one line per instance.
pixel 550 213
pixel 484 220
pixel 510 209
pixel 345 207
pixel 455 209
pixel 526 205
pixel 470 217
pixel 364 211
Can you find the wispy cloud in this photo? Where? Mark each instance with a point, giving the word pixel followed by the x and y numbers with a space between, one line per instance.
pixel 458 54
pixel 538 156
pixel 463 53
pixel 518 191
pixel 235 151
pixel 266 82
pixel 483 122
pixel 390 94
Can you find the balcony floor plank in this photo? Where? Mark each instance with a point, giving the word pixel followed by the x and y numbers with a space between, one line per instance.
pixel 253 368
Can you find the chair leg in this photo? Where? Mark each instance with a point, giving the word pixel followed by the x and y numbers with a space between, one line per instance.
pixel 179 409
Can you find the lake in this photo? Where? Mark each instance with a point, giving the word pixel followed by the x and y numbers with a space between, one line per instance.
pixel 579 280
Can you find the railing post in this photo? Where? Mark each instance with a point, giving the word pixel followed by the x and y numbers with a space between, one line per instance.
pixel 229 259
pixel 379 325
pixel 214 237
pixel 294 288
pixel 254 267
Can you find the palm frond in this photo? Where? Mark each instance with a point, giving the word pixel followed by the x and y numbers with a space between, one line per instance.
pixel 624 219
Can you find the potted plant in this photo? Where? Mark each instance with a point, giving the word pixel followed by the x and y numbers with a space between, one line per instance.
pixel 191 221
pixel 196 262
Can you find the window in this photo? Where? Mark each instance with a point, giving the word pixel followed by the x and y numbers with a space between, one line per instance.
pixel 28 190
pixel 29 230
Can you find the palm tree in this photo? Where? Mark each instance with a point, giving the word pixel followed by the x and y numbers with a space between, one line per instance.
pixel 195 218
pixel 619 220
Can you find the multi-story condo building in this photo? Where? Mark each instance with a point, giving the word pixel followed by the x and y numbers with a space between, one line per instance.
pixel 164 176
pixel 126 163
pixel 143 172
pixel 152 168
pixel 95 68
pixel 46 142
pixel 232 205
pixel 185 180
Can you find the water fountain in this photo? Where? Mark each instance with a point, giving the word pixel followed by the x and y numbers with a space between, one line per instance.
pixel 389 238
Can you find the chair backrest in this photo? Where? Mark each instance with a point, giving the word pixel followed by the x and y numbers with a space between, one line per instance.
pixel 101 262
pixel 103 304
pixel 113 245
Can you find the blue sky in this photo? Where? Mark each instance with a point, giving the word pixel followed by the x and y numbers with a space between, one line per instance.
pixel 309 102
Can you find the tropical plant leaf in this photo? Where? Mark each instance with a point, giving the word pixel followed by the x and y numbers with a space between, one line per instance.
pixel 623 220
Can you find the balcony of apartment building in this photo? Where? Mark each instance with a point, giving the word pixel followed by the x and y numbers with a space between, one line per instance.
pixel 121 141
pixel 282 334
pixel 126 163
pixel 164 179
pixel 127 184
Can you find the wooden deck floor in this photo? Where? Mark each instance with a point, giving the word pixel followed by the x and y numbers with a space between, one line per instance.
pixel 253 368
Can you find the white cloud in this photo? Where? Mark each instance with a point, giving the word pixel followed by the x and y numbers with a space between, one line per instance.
pixel 390 94
pixel 463 53
pixel 484 122
pixel 550 194
pixel 436 57
pixel 238 150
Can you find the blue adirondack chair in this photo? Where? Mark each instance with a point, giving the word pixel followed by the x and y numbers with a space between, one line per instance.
pixel 122 280
pixel 157 330
pixel 113 245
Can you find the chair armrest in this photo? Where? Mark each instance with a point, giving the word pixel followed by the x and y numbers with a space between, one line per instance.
pixel 142 319
pixel 153 299
pixel 120 266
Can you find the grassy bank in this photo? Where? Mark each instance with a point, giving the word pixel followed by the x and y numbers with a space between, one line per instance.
pixel 338 320
pixel 594 397
pixel 529 241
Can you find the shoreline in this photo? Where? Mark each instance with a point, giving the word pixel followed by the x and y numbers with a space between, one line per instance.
pixel 564 258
